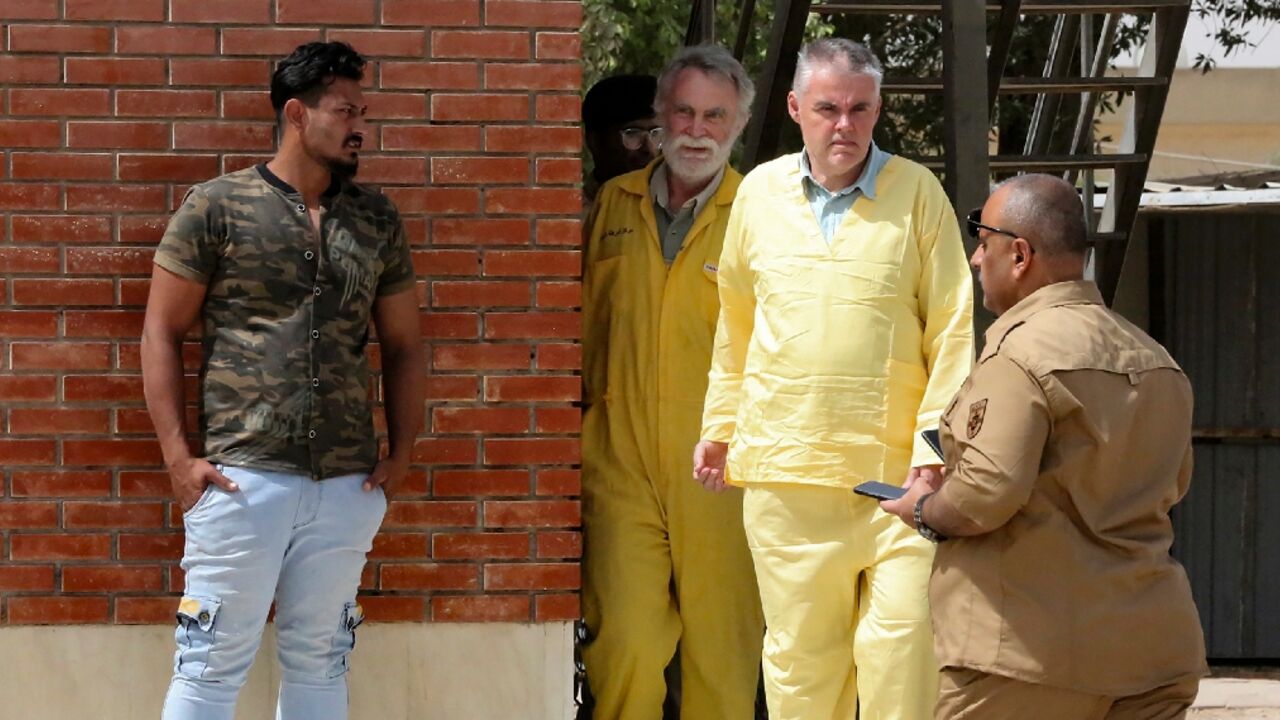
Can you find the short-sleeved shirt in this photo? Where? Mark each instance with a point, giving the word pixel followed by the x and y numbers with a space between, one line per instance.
pixel 1068 445
pixel 284 378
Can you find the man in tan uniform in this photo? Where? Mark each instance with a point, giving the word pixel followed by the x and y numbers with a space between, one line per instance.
pixel 1055 596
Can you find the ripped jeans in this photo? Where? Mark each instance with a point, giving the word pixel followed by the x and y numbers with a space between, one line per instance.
pixel 283 537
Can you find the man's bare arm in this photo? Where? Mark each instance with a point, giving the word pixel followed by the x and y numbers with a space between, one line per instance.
pixel 403 383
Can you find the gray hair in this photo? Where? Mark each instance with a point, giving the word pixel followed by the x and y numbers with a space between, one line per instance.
pixel 1046 209
pixel 713 60
pixel 849 55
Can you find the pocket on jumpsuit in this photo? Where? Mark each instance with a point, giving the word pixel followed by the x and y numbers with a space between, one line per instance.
pixel 345 639
pixel 195 634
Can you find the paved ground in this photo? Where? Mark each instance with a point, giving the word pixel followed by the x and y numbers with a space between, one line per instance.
pixel 1254 697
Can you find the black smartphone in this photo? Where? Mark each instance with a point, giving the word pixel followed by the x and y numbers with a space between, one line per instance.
pixel 931 437
pixel 880 491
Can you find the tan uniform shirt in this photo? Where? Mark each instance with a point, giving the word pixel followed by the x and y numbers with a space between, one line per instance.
pixel 1068 444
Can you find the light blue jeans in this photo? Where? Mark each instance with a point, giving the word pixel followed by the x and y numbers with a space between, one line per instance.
pixel 284 537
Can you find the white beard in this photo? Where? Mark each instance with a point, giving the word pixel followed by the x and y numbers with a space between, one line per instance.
pixel 695 171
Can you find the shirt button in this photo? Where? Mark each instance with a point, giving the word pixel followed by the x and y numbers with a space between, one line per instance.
pixel 317 290
pixel 308 254
pixel 312 434
pixel 315 333
pixel 315 382
pixel 302 208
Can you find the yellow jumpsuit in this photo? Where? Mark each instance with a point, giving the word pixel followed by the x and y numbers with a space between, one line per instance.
pixel 830 359
pixel 665 561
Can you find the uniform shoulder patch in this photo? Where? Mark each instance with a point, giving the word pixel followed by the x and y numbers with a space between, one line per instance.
pixel 977 413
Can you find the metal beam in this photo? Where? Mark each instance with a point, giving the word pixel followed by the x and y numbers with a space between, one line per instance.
pixel 964 47
pixel 998 56
pixel 702 23
pixel 767 118
pixel 1043 117
pixel 746 18
pixel 1027 86
pixel 911 7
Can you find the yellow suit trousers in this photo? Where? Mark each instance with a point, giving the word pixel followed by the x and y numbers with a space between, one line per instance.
pixel 845 593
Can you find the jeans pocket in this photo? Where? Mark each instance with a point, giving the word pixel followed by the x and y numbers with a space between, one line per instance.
pixel 201 502
pixel 195 634
pixel 345 639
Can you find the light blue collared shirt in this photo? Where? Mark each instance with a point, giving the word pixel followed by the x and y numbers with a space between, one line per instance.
pixel 829 208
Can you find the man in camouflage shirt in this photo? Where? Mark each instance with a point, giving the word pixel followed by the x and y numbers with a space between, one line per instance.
pixel 287 263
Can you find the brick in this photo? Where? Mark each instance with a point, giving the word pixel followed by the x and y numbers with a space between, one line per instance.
pixel 100 388
pixel 29 197
pixel 430 513
pixel 480 483
pixel 57 421
pixel 558 46
pixel 393 170
pixel 99 134
pixel 26 578
pixel 539 138
pixel 167 167
pixel 479 171
pixel 430 137
pixel 62 166
pixel 59 547
pixel 393 608
pixel 558 108
pixel 445 451
pixel 127 198
pixel 145 610
pixel 271 41
pixel 89 483
pixel 479 107
pixel 455 201
pixel 57 610
pixel 443 387
pixel 533 76
pixel 110 452
pixel 532 263
pixel 325 12
pixel 490 294
pixel 533 13
pixel 112 578
pixel 558 420
pixel 61 39
pixel 384 43
pixel 558 481
pixel 247 105
pixel 559 171
pixel 559 544
pixel 103 323
pixel 112 515
pixel 532 576
pixel 165 40
pixel 479 546
pixel 145 483
pixel 134 421
pixel 61 228
pixel 239 12
pixel 59 101
pixel 556 608
pixel 481 357
pixel 531 451
pixel 399 546
pixel 63 292
pixel 30 388
pixel 534 201
pixel 142 229
pixel 151 546
pixel 487 44
pixel 432 13
pixel 429 75
pixel 27 515
pixel 399 106
pixel 559 232
pixel 429 577
pixel 521 388
pixel 17 70
pixel 532 513
pixel 221 72
pixel 504 421
pixel 30 133
pixel 522 325
pixel 487 231
pixel 109 260
pixel 28 324
pixel 473 609
pixel 29 9
pixel 115 10
pixel 223 136
pixel 115 71
pixel 166 103
pixel 567 294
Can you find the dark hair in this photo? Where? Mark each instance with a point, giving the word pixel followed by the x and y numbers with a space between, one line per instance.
pixel 1048 209
pixel 312 68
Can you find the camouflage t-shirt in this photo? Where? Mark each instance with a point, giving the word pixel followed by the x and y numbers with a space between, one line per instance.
pixel 284 378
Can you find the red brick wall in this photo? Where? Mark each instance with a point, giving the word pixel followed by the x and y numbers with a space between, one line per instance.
pixel 110 109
